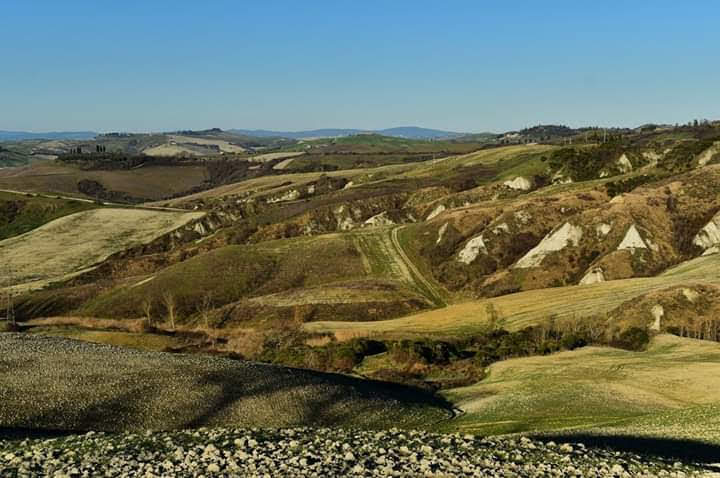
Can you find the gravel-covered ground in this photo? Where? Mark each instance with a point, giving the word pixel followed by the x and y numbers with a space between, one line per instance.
pixel 319 452
pixel 60 384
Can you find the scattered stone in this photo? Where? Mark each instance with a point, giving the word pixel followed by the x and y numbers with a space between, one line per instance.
pixel 319 452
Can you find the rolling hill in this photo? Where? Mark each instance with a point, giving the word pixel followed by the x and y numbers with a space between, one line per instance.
pixel 413 132
pixel 499 276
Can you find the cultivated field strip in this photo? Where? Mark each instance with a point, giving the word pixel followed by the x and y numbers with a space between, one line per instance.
pixel 72 244
pixel 526 308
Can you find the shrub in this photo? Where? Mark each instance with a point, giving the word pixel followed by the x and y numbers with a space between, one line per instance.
pixel 634 338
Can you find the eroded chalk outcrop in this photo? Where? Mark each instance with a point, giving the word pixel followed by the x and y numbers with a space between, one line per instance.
pixel 472 250
pixel 709 236
pixel 519 184
pixel 593 276
pixel 436 212
pixel 557 240
pixel 632 240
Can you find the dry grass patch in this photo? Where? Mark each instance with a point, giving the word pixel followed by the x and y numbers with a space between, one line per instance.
pixel 531 307
pixel 72 244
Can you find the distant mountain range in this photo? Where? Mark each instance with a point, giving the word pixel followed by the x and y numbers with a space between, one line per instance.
pixel 23 135
pixel 412 132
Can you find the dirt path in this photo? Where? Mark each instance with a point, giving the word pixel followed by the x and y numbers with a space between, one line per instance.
pixel 415 275
pixel 384 257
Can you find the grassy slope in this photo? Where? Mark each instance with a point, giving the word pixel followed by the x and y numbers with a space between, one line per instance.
pixel 234 272
pixel 596 386
pixel 521 159
pixel 33 212
pixel 284 273
pixel 527 308
pixel 71 244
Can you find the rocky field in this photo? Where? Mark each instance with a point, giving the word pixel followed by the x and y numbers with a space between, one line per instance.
pixel 321 452
pixel 59 384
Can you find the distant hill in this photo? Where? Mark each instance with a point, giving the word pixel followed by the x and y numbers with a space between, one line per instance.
pixel 23 135
pixel 412 132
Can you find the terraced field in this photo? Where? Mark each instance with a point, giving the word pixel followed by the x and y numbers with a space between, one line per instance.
pixel 72 244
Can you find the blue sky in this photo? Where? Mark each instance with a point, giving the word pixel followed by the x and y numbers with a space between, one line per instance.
pixel 290 65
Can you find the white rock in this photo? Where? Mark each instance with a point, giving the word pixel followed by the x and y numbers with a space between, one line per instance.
pixel 519 184
pixel 500 228
pixel 653 157
pixel 658 312
pixel 690 294
pixel 381 219
pixel 632 240
pixel 708 154
pixel 435 212
pixel 555 241
pixel 441 233
pixel 593 276
pixel 290 195
pixel 624 164
pixel 603 229
pixel 472 249
pixel 711 251
pixel 709 235
pixel 523 216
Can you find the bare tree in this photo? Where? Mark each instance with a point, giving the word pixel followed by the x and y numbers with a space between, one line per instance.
pixel 170 306
pixel 6 298
pixel 495 322
pixel 147 309
pixel 204 307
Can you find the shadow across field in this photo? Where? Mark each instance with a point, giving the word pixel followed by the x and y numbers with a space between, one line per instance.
pixel 59 384
pixel 316 398
pixel 665 448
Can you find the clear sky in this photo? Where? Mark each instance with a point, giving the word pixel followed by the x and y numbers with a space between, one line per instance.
pixel 291 65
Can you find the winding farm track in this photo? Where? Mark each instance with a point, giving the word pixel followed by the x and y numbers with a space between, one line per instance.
pixel 415 275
